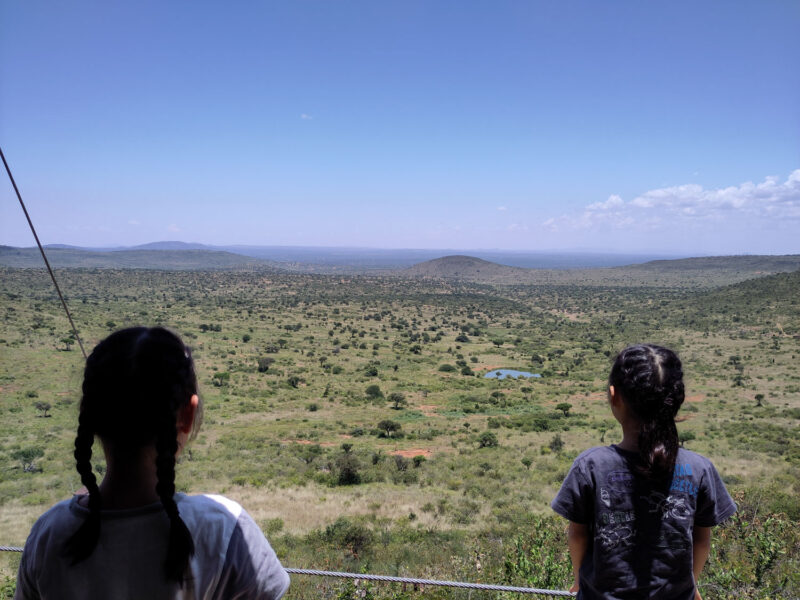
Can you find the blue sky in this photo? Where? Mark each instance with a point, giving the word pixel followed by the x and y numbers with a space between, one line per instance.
pixel 626 126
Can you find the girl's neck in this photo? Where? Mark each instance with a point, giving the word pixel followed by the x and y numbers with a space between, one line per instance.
pixel 130 481
pixel 630 436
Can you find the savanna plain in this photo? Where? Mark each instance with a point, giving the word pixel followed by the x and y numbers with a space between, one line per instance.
pixel 350 414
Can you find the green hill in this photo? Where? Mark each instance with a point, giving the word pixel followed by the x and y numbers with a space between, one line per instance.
pixel 697 273
pixel 165 260
pixel 771 301
pixel 467 268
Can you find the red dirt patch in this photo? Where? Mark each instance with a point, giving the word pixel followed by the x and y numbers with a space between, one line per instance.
pixel 309 442
pixel 695 398
pixel 428 409
pixel 413 453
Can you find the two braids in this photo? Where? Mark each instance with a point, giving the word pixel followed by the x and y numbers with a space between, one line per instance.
pixel 650 379
pixel 151 372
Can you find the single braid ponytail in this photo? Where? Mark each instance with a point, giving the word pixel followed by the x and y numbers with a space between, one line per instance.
pixel 650 380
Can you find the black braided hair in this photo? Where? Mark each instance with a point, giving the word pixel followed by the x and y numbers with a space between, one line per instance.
pixel 650 380
pixel 134 384
pixel 181 545
pixel 81 544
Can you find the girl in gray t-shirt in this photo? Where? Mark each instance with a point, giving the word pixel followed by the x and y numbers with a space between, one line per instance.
pixel 132 536
pixel 641 511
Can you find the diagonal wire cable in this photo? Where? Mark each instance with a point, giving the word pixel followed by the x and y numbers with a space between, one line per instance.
pixel 44 256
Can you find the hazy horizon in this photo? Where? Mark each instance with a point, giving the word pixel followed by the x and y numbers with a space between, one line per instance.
pixel 575 250
pixel 188 245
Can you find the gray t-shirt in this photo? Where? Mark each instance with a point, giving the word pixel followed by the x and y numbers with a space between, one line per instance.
pixel 640 537
pixel 232 557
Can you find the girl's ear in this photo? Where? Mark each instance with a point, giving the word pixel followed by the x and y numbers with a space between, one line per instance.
pixel 185 419
pixel 614 397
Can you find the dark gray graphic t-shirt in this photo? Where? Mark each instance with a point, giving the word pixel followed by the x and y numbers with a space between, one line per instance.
pixel 641 536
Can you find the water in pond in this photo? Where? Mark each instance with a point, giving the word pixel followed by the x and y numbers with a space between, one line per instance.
pixel 503 373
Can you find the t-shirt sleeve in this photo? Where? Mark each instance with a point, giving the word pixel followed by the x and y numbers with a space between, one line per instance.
pixel 714 504
pixel 575 499
pixel 251 568
pixel 26 588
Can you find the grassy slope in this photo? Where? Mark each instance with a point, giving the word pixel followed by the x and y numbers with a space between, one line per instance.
pixel 256 445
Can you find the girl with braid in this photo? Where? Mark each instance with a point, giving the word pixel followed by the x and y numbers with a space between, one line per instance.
pixel 132 536
pixel 641 511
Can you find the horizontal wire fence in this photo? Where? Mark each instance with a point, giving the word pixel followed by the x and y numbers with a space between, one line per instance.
pixel 434 582
pixel 408 580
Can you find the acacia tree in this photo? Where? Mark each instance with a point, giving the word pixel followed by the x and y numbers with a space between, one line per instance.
pixel 44 407
pixel 564 407
pixel 389 427
pixel 398 400
pixel 27 456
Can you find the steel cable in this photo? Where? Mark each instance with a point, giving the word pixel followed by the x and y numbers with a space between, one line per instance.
pixel 411 580
pixel 44 256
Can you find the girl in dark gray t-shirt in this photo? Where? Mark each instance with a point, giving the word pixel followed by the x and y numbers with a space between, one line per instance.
pixel 640 511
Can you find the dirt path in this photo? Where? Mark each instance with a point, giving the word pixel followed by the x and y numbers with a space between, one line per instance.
pixel 413 453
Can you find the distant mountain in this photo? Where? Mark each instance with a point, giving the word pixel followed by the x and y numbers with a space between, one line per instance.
pixel 755 262
pixel 326 259
pixel 355 260
pixel 173 245
pixel 697 273
pixel 61 246
pixel 165 260
pixel 464 267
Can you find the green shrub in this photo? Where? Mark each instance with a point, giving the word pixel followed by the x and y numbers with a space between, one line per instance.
pixel 487 440
pixel 539 558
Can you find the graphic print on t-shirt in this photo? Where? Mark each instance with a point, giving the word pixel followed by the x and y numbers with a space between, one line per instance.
pixel 616 523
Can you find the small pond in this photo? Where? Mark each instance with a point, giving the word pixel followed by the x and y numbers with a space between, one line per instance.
pixel 503 373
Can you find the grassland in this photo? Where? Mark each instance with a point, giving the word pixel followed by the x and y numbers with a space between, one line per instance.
pixel 295 430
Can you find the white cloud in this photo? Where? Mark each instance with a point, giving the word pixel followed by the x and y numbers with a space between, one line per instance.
pixel 501 208
pixel 692 205
pixel 769 198
pixel 306 117
pixel 173 228
pixel 134 222
pixel 612 202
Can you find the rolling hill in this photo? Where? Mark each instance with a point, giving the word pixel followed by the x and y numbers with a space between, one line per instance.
pixel 464 267
pixel 703 272
pixel 165 260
